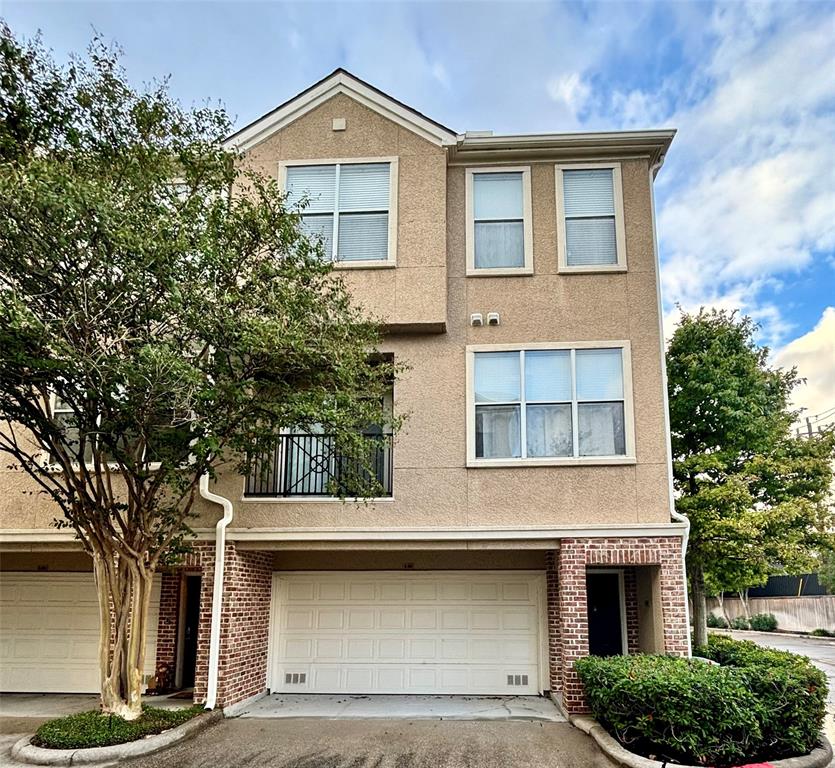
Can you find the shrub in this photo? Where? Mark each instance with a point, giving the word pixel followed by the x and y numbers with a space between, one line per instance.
pixel 759 705
pixel 716 622
pixel 822 633
pixel 790 691
pixel 740 622
pixel 672 708
pixel 92 729
pixel 763 622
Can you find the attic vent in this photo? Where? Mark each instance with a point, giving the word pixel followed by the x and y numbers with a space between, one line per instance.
pixel 295 678
pixel 517 680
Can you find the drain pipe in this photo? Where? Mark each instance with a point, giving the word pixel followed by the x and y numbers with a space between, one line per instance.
pixel 685 537
pixel 217 590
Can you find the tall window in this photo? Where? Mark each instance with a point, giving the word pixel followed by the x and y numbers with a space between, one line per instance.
pixel 549 403
pixel 349 207
pixel 590 212
pixel 499 221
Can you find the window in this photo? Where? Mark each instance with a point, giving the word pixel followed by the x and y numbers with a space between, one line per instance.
pixel 350 207
pixel 550 404
pixel 590 218
pixel 499 239
pixel 64 418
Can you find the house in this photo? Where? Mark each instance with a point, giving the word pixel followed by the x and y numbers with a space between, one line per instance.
pixel 526 517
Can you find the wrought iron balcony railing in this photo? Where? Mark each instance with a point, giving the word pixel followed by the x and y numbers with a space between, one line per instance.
pixel 311 465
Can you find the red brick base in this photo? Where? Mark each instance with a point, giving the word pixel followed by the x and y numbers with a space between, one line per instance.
pixel 567 608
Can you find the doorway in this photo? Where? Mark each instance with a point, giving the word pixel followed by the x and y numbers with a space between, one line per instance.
pixel 190 623
pixel 606 612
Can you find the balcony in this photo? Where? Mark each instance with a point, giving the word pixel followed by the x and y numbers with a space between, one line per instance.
pixel 310 465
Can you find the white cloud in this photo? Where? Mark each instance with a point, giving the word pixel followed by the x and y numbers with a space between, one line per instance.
pixel 440 74
pixel 814 356
pixel 571 90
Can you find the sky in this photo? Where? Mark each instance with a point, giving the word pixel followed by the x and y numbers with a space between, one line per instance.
pixel 745 200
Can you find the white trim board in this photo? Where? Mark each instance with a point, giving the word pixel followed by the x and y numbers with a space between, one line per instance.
pixel 340 82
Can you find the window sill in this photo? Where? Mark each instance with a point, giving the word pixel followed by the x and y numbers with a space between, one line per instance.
pixel 340 265
pixel 501 272
pixel 592 268
pixel 314 500
pixel 568 461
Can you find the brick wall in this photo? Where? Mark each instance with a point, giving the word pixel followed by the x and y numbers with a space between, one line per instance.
pixel 169 615
pixel 554 638
pixel 630 590
pixel 573 558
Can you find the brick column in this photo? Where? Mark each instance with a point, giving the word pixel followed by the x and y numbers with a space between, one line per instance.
pixel 169 619
pixel 553 607
pixel 244 624
pixel 630 590
pixel 574 557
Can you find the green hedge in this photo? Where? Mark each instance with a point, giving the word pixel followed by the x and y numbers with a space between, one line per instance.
pixel 92 729
pixel 759 705
pixel 763 622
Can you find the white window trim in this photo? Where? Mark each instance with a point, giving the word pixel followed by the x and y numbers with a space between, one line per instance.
pixel 527 222
pixel 554 461
pixel 391 261
pixel 620 232
pixel 153 466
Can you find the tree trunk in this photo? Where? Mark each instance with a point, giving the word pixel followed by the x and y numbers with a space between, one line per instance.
pixel 721 600
pixel 697 593
pixel 743 599
pixel 124 592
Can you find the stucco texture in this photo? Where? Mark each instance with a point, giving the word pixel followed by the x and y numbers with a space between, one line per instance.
pixel 432 484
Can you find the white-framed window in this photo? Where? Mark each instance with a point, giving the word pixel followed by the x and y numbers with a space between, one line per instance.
pixel 351 207
pixel 499 228
pixel 549 404
pixel 590 228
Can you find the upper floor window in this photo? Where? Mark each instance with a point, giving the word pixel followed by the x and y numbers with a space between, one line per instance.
pixel 499 237
pixel 590 218
pixel 351 206
pixel 550 404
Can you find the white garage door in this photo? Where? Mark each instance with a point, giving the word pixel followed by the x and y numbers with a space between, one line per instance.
pixel 49 633
pixel 395 632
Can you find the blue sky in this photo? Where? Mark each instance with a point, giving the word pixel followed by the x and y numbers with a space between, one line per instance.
pixel 746 200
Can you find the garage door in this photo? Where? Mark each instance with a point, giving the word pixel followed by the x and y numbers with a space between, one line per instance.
pixel 49 633
pixel 395 632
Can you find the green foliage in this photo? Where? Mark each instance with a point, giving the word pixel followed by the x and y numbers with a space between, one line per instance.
pixel 826 570
pixel 92 729
pixel 756 497
pixel 673 709
pixel 820 632
pixel 758 705
pixel 791 694
pixel 716 622
pixel 166 295
pixel 763 622
pixel 740 622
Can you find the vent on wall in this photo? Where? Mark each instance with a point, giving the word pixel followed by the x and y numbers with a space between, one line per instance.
pixel 295 678
pixel 517 679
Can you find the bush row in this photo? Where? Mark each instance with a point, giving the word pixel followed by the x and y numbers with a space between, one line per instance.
pixel 758 705
pixel 761 622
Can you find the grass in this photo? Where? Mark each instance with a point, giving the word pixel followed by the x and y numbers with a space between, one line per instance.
pixel 92 729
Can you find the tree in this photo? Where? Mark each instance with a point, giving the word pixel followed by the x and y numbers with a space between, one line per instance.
pixel 161 315
pixel 756 497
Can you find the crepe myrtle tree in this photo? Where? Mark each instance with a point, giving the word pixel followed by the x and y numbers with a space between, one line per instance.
pixel 756 496
pixel 161 314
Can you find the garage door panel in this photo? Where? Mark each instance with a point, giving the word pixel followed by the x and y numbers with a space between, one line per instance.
pixel 49 632
pixel 392 633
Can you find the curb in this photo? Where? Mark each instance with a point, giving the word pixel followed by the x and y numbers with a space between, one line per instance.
pixel 819 757
pixel 23 751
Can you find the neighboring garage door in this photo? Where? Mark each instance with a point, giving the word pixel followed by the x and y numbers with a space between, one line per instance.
pixel 395 632
pixel 49 633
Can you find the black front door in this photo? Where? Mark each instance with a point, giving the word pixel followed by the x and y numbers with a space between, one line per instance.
pixel 605 630
pixel 192 620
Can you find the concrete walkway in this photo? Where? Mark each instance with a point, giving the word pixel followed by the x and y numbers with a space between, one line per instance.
pixel 353 707
pixel 311 743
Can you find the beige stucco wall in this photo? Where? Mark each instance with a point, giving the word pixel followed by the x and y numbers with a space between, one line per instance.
pixel 432 485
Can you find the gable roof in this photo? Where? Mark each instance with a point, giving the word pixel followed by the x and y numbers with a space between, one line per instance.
pixel 341 81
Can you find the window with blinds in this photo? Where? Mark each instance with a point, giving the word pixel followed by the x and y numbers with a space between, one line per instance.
pixel 498 220
pixel 549 403
pixel 591 224
pixel 346 206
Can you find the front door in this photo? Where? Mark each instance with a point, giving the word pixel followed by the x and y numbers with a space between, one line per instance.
pixel 192 621
pixel 603 594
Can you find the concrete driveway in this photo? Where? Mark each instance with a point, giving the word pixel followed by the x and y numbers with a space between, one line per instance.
pixel 310 743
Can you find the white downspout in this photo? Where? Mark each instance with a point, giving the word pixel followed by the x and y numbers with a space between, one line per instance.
pixel 673 513
pixel 217 591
